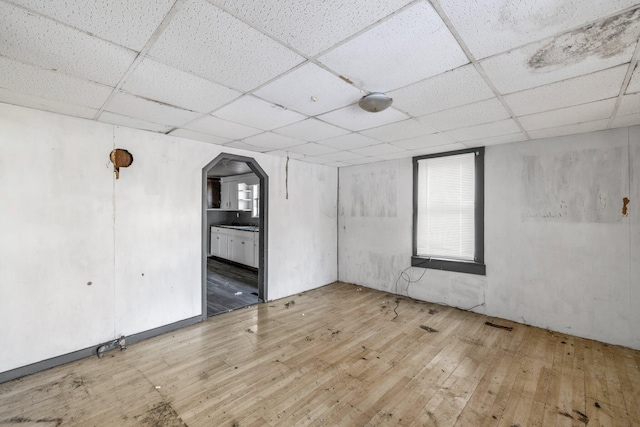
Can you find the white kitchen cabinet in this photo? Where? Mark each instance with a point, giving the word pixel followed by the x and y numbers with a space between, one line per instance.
pixel 245 196
pixel 241 248
pixel 219 242
pixel 229 195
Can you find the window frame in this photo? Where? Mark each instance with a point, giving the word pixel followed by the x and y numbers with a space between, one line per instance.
pixel 477 266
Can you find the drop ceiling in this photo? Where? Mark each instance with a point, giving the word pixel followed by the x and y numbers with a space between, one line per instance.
pixel 284 77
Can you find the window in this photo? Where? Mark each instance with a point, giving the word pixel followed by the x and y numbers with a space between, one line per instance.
pixel 448 211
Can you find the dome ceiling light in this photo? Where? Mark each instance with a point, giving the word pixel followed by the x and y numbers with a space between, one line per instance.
pixel 375 102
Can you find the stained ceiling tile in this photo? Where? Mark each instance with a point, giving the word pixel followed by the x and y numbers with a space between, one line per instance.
pixel 223 128
pixel 313 26
pixel 570 115
pixel 604 45
pixel 495 140
pixel 580 90
pixel 151 111
pixel 311 130
pixel 349 142
pixel 486 130
pixel 628 120
pixel 184 133
pixel 399 130
pixel 496 26
pixel 354 118
pixel 477 113
pixel 257 113
pixel 127 23
pixel 117 119
pixel 630 104
pixel 39 41
pixel 451 89
pixel 47 84
pixel 206 41
pixel 378 60
pixel 166 84
pixel 569 129
pixel 634 84
pixel 425 141
pixel 310 90
pixel 312 149
pixel 377 150
pixel 31 101
pixel 272 141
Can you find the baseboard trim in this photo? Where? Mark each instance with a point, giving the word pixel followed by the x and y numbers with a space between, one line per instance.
pixel 91 351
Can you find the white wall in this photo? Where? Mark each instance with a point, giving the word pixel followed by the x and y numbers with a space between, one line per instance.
pixel 65 221
pixel 559 252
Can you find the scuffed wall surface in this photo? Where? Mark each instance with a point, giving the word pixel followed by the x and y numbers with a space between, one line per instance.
pixel 65 221
pixel 558 250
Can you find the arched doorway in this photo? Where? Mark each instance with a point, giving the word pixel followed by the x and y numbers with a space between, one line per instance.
pixel 226 166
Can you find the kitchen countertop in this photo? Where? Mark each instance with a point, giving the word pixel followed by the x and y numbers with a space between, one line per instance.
pixel 253 228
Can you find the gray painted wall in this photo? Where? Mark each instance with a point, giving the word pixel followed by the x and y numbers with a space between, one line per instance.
pixel 559 252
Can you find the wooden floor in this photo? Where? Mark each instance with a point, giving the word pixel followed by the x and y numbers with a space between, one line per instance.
pixel 224 280
pixel 336 356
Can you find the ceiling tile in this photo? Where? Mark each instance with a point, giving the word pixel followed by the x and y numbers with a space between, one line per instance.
pixel 495 140
pixel 399 130
pixel 310 90
pixel 313 26
pixel 408 47
pixel 317 160
pixel 341 156
pixel 580 90
pixel 223 128
pixel 151 111
pixel 337 164
pixel 361 161
pixel 117 119
pixel 166 84
pixel 478 113
pixel 31 101
pixel 377 150
pixel 272 141
pixel 496 26
pixel 312 149
pixel 254 112
pixel 311 130
pixel 630 104
pixel 189 134
pixel 283 153
pixel 451 89
pixel 569 129
pixel 425 141
pixel 349 142
pixel 570 55
pixel 204 40
pixel 127 23
pixel 634 84
pixel 628 120
pixel 437 149
pixel 502 127
pixel 395 156
pixel 36 40
pixel 356 119
pixel 50 85
pixel 570 115
pixel 241 145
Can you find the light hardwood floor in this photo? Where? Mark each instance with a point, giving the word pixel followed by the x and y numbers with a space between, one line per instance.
pixel 336 356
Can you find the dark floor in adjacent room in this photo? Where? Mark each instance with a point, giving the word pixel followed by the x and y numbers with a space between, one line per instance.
pixel 224 280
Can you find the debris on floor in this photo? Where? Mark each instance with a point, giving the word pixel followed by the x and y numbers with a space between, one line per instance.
pixel 292 302
pixel 238 293
pixel 508 328
pixel 428 329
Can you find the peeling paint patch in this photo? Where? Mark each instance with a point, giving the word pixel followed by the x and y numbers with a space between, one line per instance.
pixel 603 39
pixel 625 202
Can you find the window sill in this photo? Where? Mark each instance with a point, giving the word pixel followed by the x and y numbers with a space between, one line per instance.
pixel 458 266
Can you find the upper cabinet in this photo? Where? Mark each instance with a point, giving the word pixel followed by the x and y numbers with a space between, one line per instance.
pixel 235 193
pixel 229 197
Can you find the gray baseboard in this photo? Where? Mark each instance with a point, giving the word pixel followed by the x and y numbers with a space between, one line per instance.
pixel 91 351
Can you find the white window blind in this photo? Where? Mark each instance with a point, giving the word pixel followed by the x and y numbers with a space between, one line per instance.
pixel 446 217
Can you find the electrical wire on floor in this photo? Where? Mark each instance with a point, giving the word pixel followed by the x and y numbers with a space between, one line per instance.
pixel 403 275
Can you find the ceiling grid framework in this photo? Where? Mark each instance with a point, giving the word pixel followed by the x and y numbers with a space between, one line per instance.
pixel 284 78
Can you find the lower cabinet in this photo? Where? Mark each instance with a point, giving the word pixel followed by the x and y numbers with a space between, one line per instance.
pixel 235 245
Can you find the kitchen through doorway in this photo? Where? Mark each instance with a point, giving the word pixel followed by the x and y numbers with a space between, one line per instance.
pixel 235 191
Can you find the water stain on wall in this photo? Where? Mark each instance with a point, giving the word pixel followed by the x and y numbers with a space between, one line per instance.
pixel 576 186
pixel 374 194
pixel 603 39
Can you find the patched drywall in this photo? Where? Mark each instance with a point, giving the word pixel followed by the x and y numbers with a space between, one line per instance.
pixel 559 252
pixel 85 258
